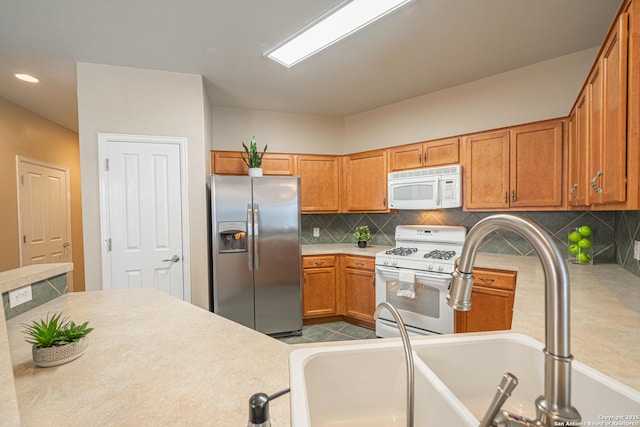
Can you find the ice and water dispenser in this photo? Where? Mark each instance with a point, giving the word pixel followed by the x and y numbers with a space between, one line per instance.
pixel 232 236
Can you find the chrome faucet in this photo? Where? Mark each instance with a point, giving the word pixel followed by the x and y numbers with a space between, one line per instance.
pixel 554 407
pixel 408 355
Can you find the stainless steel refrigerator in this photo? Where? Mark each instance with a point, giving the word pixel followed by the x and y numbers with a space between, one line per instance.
pixel 256 252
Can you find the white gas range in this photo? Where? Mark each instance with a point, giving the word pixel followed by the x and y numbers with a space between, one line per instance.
pixel 414 277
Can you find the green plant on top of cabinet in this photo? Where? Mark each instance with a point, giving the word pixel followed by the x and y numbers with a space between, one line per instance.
pixel 424 154
pixel 517 168
pixel 231 163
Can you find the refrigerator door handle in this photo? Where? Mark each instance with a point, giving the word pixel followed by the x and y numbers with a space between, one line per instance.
pixel 250 236
pixel 256 236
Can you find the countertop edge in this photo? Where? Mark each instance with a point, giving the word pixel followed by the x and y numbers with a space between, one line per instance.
pixel 22 276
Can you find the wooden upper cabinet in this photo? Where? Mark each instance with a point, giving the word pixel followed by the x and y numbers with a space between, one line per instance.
pixel 607 87
pixel 231 163
pixel 366 181
pixel 578 141
pixel 319 183
pixel 486 170
pixel 536 165
pixel 518 168
pixel 424 154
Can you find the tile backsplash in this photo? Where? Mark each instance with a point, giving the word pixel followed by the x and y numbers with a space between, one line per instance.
pixel 613 232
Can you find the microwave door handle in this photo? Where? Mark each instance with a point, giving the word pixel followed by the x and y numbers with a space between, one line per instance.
pixel 436 195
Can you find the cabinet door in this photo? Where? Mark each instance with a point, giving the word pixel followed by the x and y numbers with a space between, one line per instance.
pixel 486 170
pixel 491 310
pixel 536 165
pixel 319 183
pixel 360 296
pixel 492 300
pixel 231 163
pixel 405 157
pixel 614 120
pixel 319 292
pixel 578 179
pixel 366 181
pixel 441 152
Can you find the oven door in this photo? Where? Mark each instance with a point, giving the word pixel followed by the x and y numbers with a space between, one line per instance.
pixel 427 313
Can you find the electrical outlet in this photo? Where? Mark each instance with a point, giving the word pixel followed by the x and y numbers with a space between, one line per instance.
pixel 636 249
pixel 316 232
pixel 20 296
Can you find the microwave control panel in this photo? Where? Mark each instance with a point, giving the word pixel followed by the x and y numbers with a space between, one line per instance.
pixel 449 190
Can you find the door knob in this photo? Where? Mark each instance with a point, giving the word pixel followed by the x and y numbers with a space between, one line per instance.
pixel 174 258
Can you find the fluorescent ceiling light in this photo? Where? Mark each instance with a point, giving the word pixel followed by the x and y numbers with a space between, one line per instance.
pixel 26 78
pixel 331 28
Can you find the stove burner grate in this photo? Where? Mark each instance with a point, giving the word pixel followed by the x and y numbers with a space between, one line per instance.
pixel 439 254
pixel 401 251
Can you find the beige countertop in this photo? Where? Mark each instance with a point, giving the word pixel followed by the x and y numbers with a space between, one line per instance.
pixel 176 364
pixel 22 276
pixel 152 360
pixel 346 249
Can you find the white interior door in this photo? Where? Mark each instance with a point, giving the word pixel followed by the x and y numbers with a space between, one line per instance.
pixel 44 212
pixel 143 226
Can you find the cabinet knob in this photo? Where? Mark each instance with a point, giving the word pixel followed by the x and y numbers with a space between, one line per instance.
pixel 320 262
pixel 513 195
pixel 359 263
pixel 572 191
pixel 487 280
pixel 594 184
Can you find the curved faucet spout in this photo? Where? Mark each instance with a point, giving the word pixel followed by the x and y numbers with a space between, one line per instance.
pixel 555 405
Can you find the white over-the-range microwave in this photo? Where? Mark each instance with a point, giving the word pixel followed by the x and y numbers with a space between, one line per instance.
pixel 428 188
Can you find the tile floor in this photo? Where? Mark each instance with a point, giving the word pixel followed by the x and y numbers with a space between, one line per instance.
pixel 334 331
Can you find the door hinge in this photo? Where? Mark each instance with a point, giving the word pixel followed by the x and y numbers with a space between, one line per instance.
pixel 106 165
pixel 109 244
pixel 24 238
pixel 21 179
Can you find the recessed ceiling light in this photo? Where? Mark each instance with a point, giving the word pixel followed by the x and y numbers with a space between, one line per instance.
pixel 332 27
pixel 26 78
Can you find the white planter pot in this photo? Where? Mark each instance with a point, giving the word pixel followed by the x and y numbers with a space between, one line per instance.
pixel 255 171
pixel 57 355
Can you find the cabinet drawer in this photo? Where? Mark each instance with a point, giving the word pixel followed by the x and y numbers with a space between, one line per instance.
pixel 318 261
pixel 499 279
pixel 363 263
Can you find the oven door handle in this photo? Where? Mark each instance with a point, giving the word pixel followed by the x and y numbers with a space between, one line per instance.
pixel 444 278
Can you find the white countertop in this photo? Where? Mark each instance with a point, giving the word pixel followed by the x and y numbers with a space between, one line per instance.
pixel 172 363
pixel 339 249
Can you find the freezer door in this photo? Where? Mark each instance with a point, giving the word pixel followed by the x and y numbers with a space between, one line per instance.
pixel 233 295
pixel 277 256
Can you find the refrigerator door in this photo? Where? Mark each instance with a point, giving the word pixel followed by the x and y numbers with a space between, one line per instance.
pixel 233 295
pixel 277 256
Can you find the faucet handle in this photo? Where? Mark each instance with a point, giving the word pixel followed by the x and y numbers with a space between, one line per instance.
pixel 507 384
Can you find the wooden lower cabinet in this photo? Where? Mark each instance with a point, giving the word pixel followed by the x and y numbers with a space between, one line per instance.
pixel 339 287
pixel 319 288
pixel 492 301
pixel 360 290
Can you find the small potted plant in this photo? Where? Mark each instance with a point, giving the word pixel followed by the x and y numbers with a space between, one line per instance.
pixel 253 159
pixel 56 340
pixel 362 235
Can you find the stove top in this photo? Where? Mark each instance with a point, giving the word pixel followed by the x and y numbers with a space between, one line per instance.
pixel 425 248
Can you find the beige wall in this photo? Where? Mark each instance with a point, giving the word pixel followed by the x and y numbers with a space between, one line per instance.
pixel 283 132
pixel 26 134
pixel 144 102
pixel 537 92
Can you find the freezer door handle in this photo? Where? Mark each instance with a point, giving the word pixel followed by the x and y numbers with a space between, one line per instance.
pixel 256 236
pixel 250 236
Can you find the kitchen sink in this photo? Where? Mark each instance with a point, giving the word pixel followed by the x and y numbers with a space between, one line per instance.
pixel 364 385
pixel 456 376
pixel 472 367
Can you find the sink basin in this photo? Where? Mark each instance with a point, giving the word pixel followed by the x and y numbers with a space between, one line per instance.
pixel 456 377
pixel 472 367
pixel 365 385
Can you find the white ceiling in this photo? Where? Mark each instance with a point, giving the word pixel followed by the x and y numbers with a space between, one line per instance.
pixel 425 46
